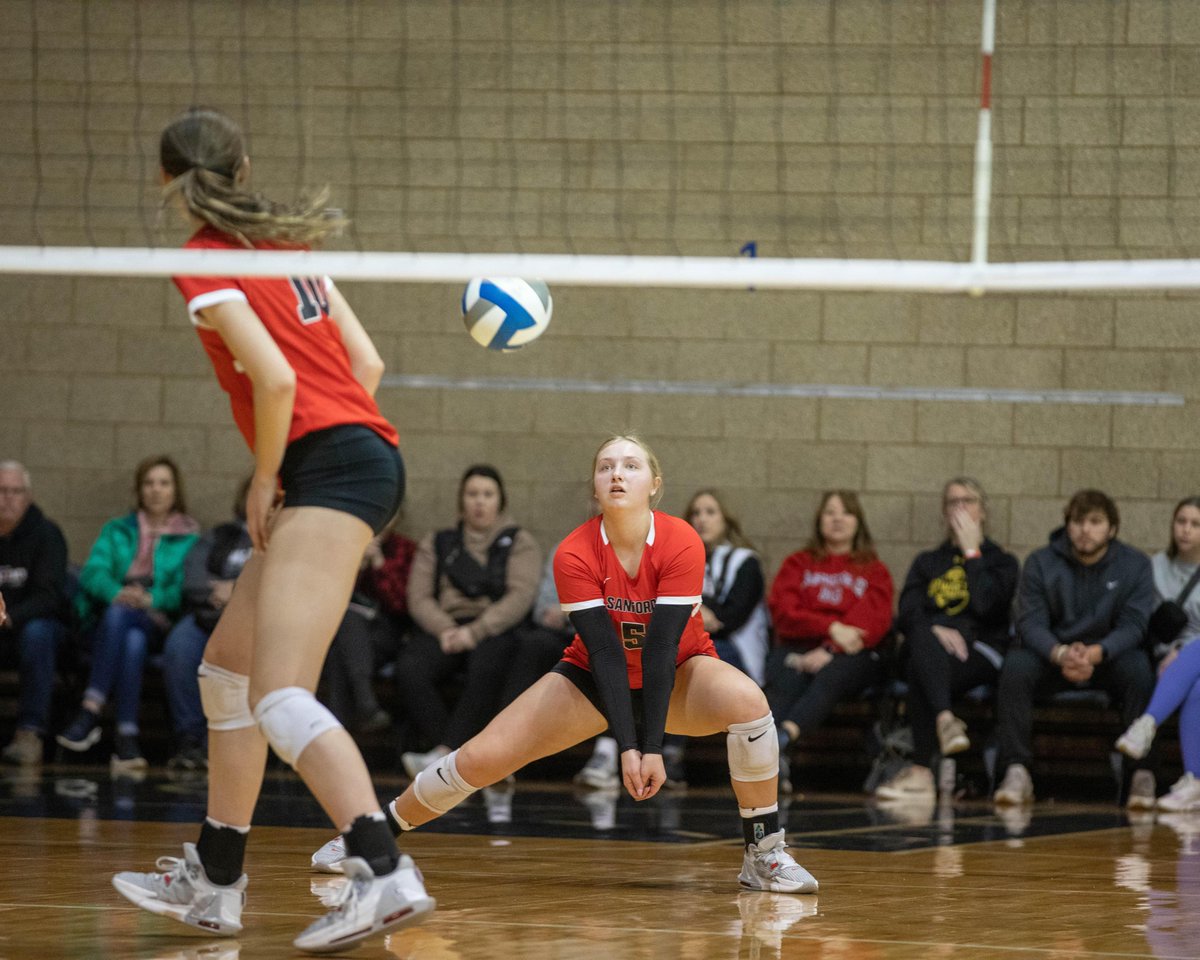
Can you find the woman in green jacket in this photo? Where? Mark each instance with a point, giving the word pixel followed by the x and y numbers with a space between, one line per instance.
pixel 130 589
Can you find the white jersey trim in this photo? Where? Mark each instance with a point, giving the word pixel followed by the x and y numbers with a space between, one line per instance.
pixel 679 601
pixel 212 298
pixel 582 605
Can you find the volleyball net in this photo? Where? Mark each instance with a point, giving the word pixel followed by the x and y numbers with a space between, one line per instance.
pixel 868 145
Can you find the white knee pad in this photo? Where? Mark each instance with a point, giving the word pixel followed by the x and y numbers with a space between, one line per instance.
pixel 291 718
pixel 439 786
pixel 225 696
pixel 753 750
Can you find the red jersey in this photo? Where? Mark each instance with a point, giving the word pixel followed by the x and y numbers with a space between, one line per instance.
pixel 295 312
pixel 587 573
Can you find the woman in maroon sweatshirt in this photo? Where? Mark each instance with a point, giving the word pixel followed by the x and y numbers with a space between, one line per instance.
pixel 831 605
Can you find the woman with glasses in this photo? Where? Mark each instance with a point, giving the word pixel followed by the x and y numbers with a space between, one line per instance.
pixel 954 616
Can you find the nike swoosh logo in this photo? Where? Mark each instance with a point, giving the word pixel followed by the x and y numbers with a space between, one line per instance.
pixel 443 779
pixel 760 736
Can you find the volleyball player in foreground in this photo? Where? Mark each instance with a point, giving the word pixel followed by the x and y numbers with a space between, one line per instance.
pixel 301 374
pixel 630 580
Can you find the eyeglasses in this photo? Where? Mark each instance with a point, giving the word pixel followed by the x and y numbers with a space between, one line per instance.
pixel 13 491
pixel 961 502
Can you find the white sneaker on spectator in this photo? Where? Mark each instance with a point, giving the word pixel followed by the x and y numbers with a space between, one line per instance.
pixel 1143 791
pixel 1183 797
pixel 369 905
pixel 329 858
pixel 767 865
pixel 912 782
pixel 600 773
pixel 25 750
pixel 1017 787
pixel 952 736
pixel 602 806
pixel 498 798
pixel 181 890
pixel 414 763
pixel 1135 742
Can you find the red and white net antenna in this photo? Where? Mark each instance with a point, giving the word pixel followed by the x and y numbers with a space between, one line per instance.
pixel 983 143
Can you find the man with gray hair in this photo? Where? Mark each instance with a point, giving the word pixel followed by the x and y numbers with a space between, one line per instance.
pixel 33 578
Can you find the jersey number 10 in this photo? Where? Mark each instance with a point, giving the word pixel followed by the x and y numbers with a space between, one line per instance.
pixel 311 302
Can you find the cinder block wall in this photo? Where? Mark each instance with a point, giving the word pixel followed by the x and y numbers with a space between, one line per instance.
pixel 693 126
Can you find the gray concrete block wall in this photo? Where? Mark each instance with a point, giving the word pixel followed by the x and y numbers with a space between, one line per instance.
pixel 693 126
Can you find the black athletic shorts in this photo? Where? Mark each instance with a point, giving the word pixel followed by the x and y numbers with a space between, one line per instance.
pixel 586 684
pixel 349 468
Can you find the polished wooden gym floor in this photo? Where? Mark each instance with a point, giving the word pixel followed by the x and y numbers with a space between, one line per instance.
pixel 578 876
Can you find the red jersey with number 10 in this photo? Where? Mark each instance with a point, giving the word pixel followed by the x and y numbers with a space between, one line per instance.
pixel 587 573
pixel 295 312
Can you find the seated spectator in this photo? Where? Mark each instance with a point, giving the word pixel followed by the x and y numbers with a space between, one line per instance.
pixel 209 573
pixel 33 575
pixel 1083 604
pixel 470 587
pixel 733 610
pixel 370 632
pixel 831 604
pixel 130 588
pixel 954 616
pixel 1176 571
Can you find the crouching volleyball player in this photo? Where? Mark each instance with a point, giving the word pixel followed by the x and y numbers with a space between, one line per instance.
pixel 630 580
pixel 301 374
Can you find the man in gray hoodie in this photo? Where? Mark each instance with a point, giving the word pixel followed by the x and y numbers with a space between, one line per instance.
pixel 1083 605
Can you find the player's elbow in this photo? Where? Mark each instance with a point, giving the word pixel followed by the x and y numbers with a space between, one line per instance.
pixel 277 384
pixel 370 368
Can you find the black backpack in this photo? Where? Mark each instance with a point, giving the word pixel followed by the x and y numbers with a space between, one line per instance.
pixel 470 578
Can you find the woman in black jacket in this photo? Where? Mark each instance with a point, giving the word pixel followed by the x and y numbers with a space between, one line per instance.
pixel 954 616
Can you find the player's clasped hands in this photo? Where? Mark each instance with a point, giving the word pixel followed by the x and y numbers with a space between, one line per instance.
pixel 642 773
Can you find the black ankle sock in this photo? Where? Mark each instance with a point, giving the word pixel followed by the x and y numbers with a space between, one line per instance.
pixel 760 825
pixel 370 838
pixel 222 851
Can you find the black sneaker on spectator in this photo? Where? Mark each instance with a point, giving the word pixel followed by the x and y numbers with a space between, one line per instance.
pixel 673 762
pixel 380 719
pixel 127 755
pixel 1143 791
pixel 191 757
pixel 82 733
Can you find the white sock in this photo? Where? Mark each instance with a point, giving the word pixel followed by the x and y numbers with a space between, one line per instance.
pixel 218 825
pixel 749 812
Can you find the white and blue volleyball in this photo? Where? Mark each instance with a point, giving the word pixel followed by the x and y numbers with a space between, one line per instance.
pixel 506 313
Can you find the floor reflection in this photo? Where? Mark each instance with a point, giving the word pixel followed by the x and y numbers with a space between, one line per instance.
pixel 839 822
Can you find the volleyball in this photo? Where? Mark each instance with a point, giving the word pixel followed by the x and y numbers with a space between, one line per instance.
pixel 506 313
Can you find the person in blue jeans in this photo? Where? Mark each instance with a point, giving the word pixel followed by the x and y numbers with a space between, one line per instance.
pixel 210 570
pixel 1178 686
pixel 131 587
pixel 33 576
